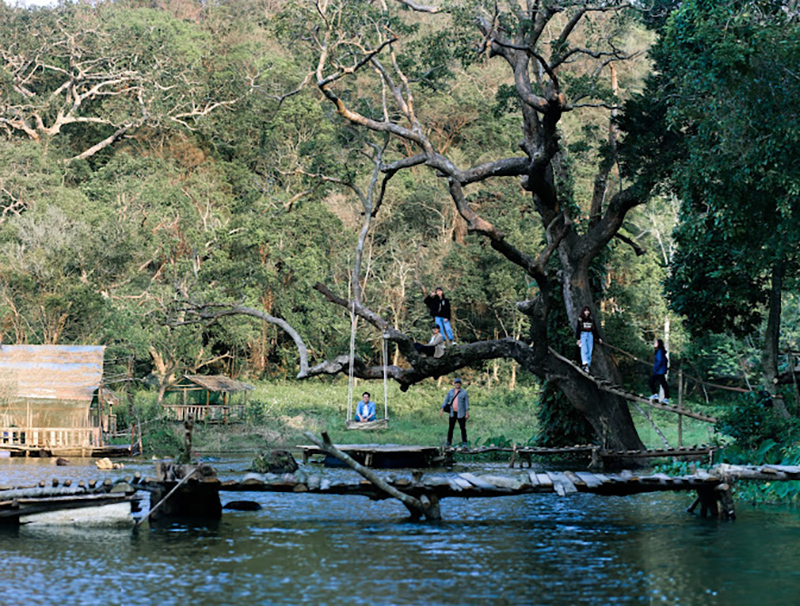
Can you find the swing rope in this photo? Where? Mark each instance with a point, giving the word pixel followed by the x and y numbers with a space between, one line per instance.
pixel 385 353
pixel 351 378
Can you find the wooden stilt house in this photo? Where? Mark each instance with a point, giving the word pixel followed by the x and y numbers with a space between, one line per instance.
pixel 46 394
pixel 209 398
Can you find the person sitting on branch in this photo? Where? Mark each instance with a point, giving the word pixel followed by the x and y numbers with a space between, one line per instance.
pixel 365 410
pixel 435 346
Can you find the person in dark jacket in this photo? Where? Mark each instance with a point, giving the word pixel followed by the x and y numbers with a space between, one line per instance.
pixel 585 333
pixel 659 375
pixel 439 308
pixel 457 403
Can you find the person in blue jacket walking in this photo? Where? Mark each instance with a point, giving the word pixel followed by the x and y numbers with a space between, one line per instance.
pixel 659 375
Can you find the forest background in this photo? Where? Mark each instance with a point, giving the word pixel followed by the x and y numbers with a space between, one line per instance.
pixel 162 161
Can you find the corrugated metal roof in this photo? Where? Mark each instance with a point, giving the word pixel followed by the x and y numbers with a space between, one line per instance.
pixel 56 372
pixel 219 383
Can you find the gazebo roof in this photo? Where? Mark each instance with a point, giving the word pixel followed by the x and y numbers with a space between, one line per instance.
pixel 219 383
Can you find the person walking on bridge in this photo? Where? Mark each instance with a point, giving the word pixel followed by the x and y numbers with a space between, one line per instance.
pixel 456 402
pixel 659 375
pixel 585 333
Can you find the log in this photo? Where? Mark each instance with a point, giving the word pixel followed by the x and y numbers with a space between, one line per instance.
pixel 415 506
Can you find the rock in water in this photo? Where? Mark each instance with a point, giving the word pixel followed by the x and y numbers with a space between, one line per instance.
pixel 275 461
pixel 243 506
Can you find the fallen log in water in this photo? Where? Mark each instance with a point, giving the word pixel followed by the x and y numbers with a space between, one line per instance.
pixel 424 506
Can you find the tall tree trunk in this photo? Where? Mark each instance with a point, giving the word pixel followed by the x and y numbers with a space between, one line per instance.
pixel 769 355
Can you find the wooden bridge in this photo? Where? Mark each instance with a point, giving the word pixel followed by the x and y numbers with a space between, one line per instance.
pixel 607 386
pixel 193 491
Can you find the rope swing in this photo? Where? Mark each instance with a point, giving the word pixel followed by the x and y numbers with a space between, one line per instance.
pixel 351 423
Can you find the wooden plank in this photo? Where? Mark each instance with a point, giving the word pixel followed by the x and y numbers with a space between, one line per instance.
pixel 534 478
pixel 574 478
pixel 792 469
pixel 561 483
pixel 503 482
pixel 544 480
pixel 476 481
pixel 462 483
pixel 590 479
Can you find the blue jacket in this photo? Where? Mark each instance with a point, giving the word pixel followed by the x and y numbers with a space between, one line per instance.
pixel 463 402
pixel 660 362
pixel 370 416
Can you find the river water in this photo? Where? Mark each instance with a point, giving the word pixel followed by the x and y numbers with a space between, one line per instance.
pixel 305 549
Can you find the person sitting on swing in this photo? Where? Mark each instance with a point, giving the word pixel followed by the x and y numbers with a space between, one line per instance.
pixel 365 410
pixel 435 346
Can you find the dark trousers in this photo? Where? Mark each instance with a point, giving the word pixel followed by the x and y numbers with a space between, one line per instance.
pixel 655 381
pixel 462 423
pixel 426 350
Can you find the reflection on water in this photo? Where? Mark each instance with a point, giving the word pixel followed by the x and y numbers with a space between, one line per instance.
pixel 348 550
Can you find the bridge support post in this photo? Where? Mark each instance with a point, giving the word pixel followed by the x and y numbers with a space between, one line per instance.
pixel 716 501
pixel 725 495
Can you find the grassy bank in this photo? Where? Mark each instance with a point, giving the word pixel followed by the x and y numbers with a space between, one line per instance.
pixel 278 414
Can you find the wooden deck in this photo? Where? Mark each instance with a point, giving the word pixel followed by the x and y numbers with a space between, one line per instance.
pixel 108 450
pixel 62 503
pixel 380 456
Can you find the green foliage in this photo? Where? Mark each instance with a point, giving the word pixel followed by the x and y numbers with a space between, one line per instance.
pixel 560 423
pixel 755 425
pixel 731 157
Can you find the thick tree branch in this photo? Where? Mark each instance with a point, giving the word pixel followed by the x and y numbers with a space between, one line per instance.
pixel 214 311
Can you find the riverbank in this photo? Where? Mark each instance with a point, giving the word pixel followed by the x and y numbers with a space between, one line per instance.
pixel 279 413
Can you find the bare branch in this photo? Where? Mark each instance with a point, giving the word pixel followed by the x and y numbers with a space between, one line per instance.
pixel 420 8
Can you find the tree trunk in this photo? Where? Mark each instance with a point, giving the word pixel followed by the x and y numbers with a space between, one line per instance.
pixel 769 356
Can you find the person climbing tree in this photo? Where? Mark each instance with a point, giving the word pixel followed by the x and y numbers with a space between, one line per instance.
pixel 435 346
pixel 585 332
pixel 659 375
pixel 439 308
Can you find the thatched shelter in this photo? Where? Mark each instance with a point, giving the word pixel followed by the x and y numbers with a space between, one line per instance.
pixel 208 398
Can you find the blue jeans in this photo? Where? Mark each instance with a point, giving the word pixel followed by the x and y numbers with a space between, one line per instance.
pixel 587 344
pixel 444 326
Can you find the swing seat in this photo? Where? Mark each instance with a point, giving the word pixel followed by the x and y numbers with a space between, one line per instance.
pixel 368 425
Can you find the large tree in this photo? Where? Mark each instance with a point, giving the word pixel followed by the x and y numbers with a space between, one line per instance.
pixel 377 64
pixel 718 125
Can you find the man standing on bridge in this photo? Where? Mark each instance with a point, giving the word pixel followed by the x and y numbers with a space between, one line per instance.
pixel 456 402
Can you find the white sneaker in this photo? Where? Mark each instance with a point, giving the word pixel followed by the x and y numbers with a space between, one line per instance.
pixel 665 401
pixel 653 398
